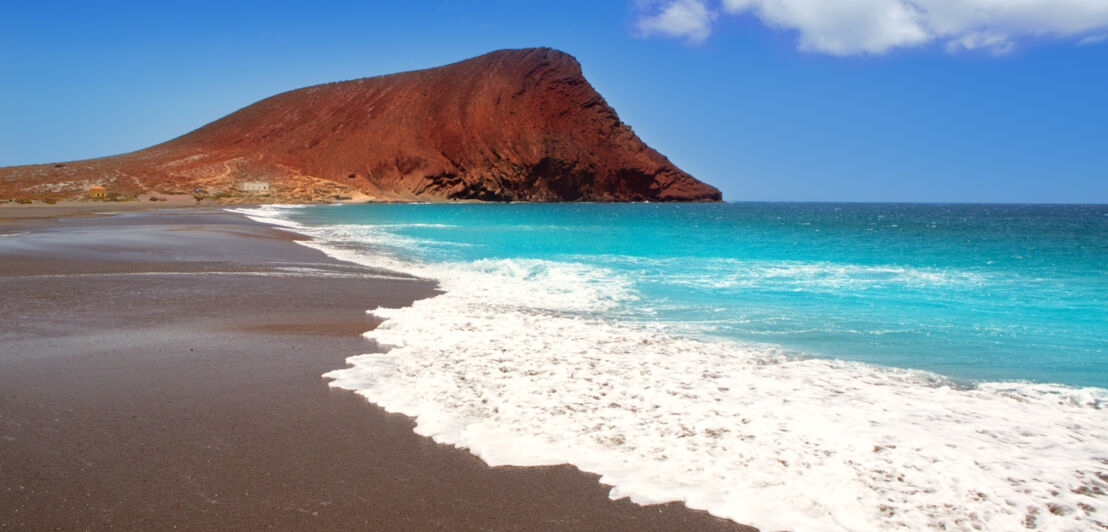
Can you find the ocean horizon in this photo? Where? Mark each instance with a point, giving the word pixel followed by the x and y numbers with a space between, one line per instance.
pixel 939 365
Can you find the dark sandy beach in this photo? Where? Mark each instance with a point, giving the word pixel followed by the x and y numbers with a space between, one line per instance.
pixel 162 370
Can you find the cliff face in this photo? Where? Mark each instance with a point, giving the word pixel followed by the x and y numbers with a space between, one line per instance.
pixel 511 125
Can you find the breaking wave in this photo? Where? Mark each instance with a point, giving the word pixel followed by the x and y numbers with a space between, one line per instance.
pixel 525 362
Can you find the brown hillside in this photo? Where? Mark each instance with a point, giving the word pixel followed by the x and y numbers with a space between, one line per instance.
pixel 511 125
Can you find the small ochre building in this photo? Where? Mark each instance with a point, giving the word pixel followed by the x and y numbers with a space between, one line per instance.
pixel 97 192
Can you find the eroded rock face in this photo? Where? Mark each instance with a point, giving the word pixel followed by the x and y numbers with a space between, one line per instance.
pixel 511 125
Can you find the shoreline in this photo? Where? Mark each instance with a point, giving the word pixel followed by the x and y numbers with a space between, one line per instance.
pixel 164 369
pixel 605 393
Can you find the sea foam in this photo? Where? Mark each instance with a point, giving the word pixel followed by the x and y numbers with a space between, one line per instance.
pixel 520 362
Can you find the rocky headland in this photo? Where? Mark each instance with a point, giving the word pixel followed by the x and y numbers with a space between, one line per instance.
pixel 511 125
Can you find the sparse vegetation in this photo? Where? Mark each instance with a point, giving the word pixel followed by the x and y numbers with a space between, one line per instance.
pixel 118 197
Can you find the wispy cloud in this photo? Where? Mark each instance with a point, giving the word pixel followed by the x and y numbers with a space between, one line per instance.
pixel 849 27
pixel 1093 39
pixel 690 20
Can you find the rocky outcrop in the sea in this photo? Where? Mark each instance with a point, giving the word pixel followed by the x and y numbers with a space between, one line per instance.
pixel 511 125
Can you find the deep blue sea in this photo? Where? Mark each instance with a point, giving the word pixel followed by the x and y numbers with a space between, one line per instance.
pixel 690 337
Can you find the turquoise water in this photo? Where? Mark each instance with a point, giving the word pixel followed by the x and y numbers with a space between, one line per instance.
pixel 972 292
pixel 942 366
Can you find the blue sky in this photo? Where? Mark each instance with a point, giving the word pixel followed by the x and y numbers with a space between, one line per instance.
pixel 767 103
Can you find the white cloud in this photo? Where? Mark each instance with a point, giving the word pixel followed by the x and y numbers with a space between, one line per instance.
pixel 839 27
pixel 690 20
pixel 846 27
pixel 1093 39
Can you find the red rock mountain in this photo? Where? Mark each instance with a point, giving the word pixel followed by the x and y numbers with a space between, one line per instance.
pixel 511 125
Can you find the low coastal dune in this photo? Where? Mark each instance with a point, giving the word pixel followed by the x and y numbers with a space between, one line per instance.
pixel 162 370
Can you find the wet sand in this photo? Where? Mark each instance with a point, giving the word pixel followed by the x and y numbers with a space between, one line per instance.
pixel 162 370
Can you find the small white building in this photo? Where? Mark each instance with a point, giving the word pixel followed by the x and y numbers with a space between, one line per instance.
pixel 254 187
